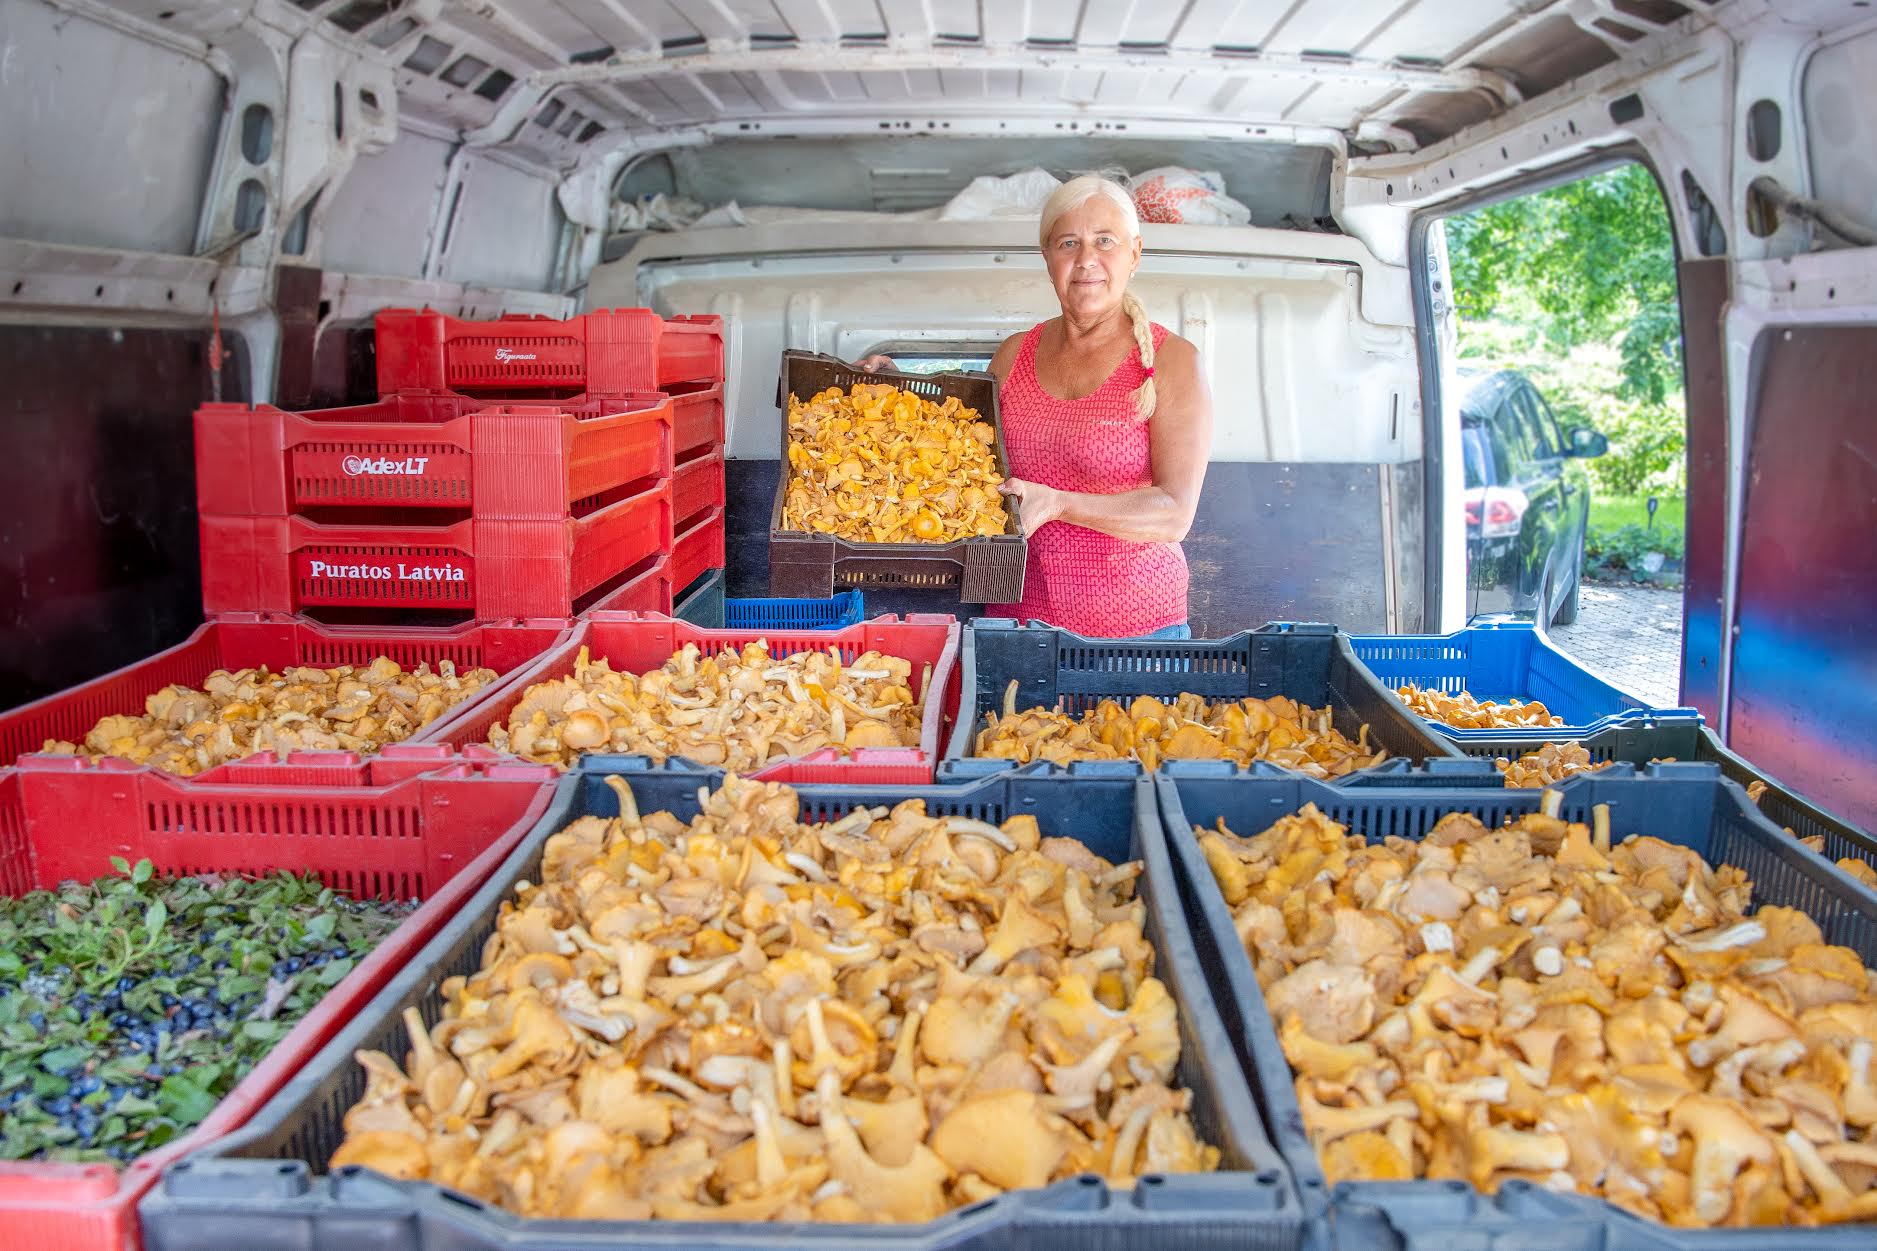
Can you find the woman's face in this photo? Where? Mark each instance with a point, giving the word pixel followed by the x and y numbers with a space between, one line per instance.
pixel 1091 256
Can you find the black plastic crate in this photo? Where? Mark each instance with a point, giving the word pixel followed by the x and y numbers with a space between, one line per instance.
pixel 264 1187
pixel 1789 810
pixel 1687 739
pixel 1686 804
pixel 1312 664
pixel 985 569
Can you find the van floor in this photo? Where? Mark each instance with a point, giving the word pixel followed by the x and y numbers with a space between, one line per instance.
pixel 1629 636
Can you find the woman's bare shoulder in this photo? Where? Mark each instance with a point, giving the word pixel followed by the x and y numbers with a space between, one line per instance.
pixel 1006 354
pixel 1175 348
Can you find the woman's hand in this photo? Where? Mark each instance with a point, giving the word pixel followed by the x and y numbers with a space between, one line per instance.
pixel 1040 505
pixel 874 364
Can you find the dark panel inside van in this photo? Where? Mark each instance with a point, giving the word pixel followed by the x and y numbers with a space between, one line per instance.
pixel 1804 682
pixel 98 548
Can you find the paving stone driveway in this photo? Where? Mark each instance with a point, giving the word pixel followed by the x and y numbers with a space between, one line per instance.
pixel 1630 636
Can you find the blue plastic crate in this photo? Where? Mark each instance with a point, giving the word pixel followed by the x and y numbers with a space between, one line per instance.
pixel 265 1186
pixel 845 609
pixel 1687 804
pixel 1312 664
pixel 1502 662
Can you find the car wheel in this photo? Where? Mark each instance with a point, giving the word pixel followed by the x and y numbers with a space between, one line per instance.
pixel 1566 613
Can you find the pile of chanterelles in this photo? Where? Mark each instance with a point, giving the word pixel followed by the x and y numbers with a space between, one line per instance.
pixel 301 708
pixel 1463 712
pixel 1278 729
pixel 879 465
pixel 739 709
pixel 1531 1002
pixel 1551 763
pixel 751 1018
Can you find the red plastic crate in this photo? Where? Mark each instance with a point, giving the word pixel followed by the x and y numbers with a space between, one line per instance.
pixel 244 640
pixel 636 644
pixel 606 351
pixel 648 591
pixel 696 485
pixel 696 417
pixel 489 568
pixel 697 549
pixel 429 451
pixel 436 836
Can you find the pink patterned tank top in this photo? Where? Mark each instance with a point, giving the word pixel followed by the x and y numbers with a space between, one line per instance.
pixel 1077 578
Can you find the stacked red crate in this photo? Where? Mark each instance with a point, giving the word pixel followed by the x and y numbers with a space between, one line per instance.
pixel 600 352
pixel 520 467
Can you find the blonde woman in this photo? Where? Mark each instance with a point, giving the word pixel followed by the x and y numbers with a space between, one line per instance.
pixel 1108 425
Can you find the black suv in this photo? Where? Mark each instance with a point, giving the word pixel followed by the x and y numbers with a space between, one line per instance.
pixel 1527 503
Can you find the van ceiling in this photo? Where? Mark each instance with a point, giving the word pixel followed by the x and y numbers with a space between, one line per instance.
pixel 1282 183
pixel 560 81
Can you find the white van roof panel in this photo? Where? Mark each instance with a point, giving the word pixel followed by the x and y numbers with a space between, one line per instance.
pixel 567 79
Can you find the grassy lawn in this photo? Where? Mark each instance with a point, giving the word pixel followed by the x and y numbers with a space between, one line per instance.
pixel 1611 511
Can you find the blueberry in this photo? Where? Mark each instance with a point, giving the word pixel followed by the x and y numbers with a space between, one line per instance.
pixel 169 1001
pixel 60 1107
pixel 126 984
pixel 87 1084
pixel 38 1020
pixel 341 953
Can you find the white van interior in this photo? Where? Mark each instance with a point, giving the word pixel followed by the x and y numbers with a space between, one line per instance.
pixel 212 197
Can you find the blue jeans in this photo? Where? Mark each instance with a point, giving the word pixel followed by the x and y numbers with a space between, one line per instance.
pixel 1180 631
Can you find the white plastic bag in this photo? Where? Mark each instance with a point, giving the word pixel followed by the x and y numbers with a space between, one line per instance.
pixel 1020 195
pixel 1193 197
pixel 727 214
pixel 656 212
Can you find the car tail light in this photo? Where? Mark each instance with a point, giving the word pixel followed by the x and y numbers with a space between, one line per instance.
pixel 1503 510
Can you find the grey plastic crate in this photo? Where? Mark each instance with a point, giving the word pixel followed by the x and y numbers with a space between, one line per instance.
pixel 1310 663
pixel 263 1188
pixel 702 603
pixel 1687 804
pixel 1685 739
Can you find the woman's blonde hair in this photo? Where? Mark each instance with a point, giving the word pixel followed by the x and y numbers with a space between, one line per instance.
pixel 1073 195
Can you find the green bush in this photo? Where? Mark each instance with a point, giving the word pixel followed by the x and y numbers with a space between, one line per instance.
pixel 1585 388
pixel 1624 548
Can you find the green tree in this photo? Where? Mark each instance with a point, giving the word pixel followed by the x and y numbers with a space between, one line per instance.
pixel 1594 258
pixel 1576 286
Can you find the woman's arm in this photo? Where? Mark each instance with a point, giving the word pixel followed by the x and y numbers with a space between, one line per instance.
pixel 1181 433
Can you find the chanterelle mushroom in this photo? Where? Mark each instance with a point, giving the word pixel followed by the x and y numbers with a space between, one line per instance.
pixel 1535 1003
pixel 1190 728
pixel 251 711
pixel 659 1030
pixel 738 708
